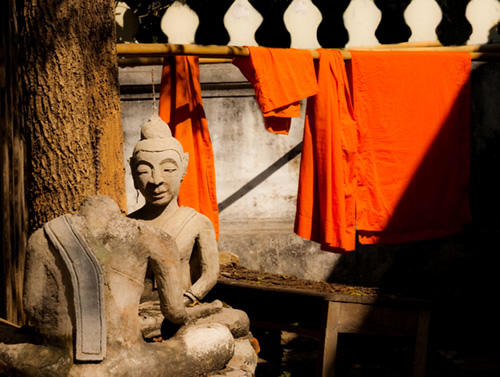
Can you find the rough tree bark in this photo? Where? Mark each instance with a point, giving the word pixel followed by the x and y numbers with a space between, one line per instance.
pixel 71 106
pixel 13 213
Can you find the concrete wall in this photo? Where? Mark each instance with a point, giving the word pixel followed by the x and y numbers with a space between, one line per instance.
pixel 459 273
pixel 256 171
pixel 257 177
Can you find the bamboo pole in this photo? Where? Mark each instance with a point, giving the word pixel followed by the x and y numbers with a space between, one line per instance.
pixel 166 49
pixel 138 61
pixel 142 53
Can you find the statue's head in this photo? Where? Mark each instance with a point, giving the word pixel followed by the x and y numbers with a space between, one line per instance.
pixel 158 163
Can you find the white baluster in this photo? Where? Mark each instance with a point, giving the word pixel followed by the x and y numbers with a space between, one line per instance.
pixel 423 17
pixel 241 21
pixel 302 19
pixel 179 23
pixel 361 20
pixel 126 22
pixel 483 15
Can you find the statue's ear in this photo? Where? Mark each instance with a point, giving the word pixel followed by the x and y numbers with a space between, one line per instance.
pixel 136 186
pixel 134 176
pixel 185 161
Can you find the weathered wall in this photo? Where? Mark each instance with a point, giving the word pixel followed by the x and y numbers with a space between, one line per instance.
pixel 455 273
pixel 256 171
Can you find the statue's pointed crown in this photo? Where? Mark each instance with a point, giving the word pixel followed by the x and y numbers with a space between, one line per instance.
pixel 155 128
pixel 157 137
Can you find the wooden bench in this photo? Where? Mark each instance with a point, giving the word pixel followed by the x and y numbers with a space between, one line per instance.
pixel 325 315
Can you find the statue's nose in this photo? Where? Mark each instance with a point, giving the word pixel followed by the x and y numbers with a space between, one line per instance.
pixel 156 178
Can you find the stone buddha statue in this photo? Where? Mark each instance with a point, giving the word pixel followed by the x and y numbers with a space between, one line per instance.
pixel 83 281
pixel 85 276
pixel 158 167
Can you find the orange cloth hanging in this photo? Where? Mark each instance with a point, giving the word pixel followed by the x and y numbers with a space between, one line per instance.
pixel 182 108
pixel 281 78
pixel 413 162
pixel 327 183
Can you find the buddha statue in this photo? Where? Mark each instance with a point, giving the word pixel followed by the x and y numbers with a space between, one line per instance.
pixel 158 167
pixel 83 281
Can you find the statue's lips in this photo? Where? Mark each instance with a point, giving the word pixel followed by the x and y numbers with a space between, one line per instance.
pixel 158 195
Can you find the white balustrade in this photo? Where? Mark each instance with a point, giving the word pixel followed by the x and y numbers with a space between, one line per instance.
pixel 302 19
pixel 127 24
pixel 242 21
pixel 179 23
pixel 484 16
pixel 423 17
pixel 361 20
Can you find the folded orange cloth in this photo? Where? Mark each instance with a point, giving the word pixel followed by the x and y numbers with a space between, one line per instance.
pixel 182 108
pixel 327 182
pixel 413 162
pixel 281 78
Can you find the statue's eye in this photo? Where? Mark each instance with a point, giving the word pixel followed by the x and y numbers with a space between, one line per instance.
pixel 169 170
pixel 141 170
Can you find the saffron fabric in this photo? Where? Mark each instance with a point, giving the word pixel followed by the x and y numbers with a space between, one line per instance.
pixel 327 182
pixel 182 108
pixel 413 161
pixel 281 78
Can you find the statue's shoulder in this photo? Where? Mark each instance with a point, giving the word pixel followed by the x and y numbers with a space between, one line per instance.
pixel 194 216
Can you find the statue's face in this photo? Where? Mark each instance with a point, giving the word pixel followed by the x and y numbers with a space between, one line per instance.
pixel 158 176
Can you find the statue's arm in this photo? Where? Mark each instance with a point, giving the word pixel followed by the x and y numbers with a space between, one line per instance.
pixel 35 267
pixel 166 267
pixel 209 261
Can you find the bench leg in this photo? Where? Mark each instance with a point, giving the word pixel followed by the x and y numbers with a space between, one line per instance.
pixel 420 355
pixel 328 346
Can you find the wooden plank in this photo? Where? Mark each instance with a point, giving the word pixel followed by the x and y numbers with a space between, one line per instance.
pixel 386 300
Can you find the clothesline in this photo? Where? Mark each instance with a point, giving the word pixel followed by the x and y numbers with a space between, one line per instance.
pixel 152 53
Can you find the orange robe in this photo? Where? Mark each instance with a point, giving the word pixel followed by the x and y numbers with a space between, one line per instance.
pixel 327 183
pixel 413 162
pixel 281 78
pixel 182 108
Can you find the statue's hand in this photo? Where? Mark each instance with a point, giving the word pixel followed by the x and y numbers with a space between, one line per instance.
pixel 189 298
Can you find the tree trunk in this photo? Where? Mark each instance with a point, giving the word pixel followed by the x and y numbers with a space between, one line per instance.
pixel 71 106
pixel 13 213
